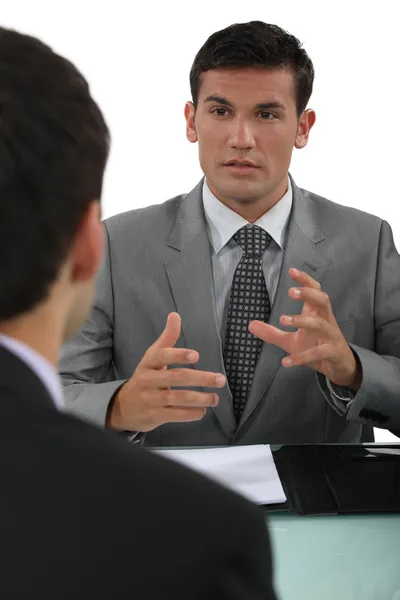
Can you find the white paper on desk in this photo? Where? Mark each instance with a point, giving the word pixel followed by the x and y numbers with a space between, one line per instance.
pixel 248 470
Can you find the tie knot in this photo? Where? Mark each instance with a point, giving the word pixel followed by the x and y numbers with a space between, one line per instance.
pixel 252 239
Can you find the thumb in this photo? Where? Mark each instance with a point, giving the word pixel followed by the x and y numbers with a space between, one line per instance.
pixel 171 333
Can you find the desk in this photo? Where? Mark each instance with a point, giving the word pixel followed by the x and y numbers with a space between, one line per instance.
pixel 336 557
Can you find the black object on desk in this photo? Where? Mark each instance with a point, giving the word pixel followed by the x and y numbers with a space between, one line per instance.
pixel 340 479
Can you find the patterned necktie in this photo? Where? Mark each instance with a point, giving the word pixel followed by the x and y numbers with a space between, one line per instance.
pixel 249 300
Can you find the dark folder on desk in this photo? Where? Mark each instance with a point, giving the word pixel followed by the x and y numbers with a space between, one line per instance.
pixel 340 479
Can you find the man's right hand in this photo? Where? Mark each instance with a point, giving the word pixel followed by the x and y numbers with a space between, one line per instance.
pixel 146 400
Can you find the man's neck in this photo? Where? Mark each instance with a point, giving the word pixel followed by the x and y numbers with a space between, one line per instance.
pixel 252 211
pixel 42 334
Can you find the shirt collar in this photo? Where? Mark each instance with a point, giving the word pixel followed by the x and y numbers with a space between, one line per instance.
pixel 44 370
pixel 223 222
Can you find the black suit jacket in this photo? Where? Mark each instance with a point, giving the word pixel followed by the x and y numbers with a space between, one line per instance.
pixel 85 515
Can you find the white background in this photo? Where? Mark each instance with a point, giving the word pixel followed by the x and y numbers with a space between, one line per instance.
pixel 137 57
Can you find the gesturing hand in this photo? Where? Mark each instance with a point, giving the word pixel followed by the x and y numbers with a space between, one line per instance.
pixel 146 400
pixel 318 341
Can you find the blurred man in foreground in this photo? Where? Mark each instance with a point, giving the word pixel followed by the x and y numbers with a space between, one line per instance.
pixel 83 514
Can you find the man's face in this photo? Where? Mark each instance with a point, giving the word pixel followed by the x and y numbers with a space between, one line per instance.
pixel 246 125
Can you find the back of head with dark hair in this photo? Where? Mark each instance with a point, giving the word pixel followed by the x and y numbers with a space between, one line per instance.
pixel 53 151
pixel 255 44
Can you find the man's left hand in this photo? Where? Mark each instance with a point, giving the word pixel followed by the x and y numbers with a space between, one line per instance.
pixel 318 341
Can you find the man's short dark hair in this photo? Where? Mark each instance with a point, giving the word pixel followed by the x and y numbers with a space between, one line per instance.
pixel 255 44
pixel 54 146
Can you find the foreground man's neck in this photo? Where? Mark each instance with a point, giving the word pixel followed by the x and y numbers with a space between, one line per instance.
pixel 44 337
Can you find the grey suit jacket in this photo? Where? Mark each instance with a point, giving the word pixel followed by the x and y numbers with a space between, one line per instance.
pixel 158 260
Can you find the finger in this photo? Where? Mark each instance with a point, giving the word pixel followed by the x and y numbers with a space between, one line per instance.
pixel 318 353
pixel 313 323
pixel 167 339
pixel 163 357
pixel 171 414
pixel 171 333
pixel 304 279
pixel 271 335
pixel 186 399
pixel 316 298
pixel 180 378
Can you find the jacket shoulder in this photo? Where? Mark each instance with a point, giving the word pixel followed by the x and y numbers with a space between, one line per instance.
pixel 330 213
pixel 148 218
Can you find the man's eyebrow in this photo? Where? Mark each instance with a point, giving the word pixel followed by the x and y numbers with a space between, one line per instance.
pixel 270 105
pixel 260 106
pixel 219 100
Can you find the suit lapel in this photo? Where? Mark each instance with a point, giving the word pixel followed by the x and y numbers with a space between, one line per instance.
pixel 191 280
pixel 301 252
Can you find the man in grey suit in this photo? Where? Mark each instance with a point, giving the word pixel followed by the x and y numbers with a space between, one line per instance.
pixel 245 251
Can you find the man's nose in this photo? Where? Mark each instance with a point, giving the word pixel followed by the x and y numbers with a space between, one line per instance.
pixel 242 135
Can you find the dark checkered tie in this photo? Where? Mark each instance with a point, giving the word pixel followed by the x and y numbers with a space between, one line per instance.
pixel 249 300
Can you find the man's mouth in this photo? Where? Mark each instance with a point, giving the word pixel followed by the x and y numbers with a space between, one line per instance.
pixel 241 163
pixel 241 167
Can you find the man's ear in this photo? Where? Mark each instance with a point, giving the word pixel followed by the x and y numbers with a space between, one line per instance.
pixel 87 250
pixel 190 124
pixel 306 123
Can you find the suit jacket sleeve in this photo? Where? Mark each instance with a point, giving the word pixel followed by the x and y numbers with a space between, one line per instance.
pixel 244 569
pixel 377 402
pixel 86 363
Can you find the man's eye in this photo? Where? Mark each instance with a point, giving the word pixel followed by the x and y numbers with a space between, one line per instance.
pixel 266 115
pixel 220 112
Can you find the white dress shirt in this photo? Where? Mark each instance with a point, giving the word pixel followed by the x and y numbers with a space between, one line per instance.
pixel 43 368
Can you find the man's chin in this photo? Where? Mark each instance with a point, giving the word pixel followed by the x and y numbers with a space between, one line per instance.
pixel 242 192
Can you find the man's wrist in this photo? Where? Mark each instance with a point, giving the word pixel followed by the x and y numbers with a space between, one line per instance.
pixel 355 384
pixel 354 380
pixel 114 417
